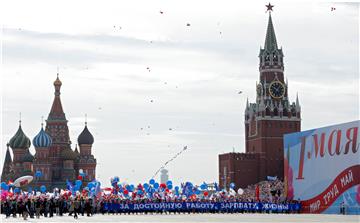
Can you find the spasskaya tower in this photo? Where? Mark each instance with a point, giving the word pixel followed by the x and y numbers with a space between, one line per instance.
pixel 266 121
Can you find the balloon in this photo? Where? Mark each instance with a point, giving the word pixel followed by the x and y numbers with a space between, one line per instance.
pixel 4 186
pixel 43 188
pixel 82 174
pixel 156 185
pixel 146 186
pixel 197 192
pixel 81 171
pixel 78 183
pixel 206 193
pixel 232 185
pixel 170 186
pixel 116 179
pixel 21 181
pixel 126 192
pixel 169 182
pixel 240 191
pixel 203 186
pixel 79 177
pixel 17 190
pixel 163 185
pixel 38 173
pixel 152 182
pixel 90 185
pixel 177 188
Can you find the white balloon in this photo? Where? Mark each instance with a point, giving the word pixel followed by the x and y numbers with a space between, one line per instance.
pixel 24 180
pixel 81 171
pixel 240 191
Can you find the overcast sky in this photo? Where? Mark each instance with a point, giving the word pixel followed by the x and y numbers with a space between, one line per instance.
pixel 103 50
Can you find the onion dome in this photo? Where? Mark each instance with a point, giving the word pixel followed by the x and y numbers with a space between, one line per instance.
pixel 42 139
pixel 85 137
pixel 19 140
pixel 28 157
pixel 68 154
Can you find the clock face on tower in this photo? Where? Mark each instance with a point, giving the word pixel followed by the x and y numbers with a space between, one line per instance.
pixel 276 89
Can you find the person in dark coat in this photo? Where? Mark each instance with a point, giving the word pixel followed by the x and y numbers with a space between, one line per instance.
pixel 88 207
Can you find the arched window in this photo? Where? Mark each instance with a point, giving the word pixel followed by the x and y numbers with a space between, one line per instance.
pixel 285 112
pixel 267 111
pixel 276 112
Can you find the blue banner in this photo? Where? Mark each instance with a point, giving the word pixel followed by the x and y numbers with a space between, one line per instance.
pixel 201 206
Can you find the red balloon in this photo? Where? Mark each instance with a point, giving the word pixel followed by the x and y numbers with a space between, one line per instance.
pixel 167 190
pixel 126 192
pixel 206 193
pixel 79 177
pixel 163 185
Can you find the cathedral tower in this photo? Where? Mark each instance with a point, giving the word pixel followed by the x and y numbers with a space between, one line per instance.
pixel 57 128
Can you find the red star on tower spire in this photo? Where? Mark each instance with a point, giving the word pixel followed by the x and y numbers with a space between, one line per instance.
pixel 269 7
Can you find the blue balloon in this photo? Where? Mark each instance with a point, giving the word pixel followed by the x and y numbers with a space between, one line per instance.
pixel 197 192
pixel 43 188
pixel 82 174
pixel 90 185
pixel 232 185
pixel 140 192
pixel 170 186
pixel 156 185
pixel 17 190
pixel 146 186
pixel 203 186
pixel 177 188
pixel 116 179
pixel 4 186
pixel 38 173
pixel 152 181
pixel 169 182
pixel 78 183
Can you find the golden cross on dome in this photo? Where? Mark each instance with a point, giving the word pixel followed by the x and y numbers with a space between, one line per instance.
pixel 269 7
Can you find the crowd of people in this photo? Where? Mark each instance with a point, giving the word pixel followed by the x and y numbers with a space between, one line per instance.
pixel 63 202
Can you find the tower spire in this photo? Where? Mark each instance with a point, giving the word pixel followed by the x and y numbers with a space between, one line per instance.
pixel 56 112
pixel 297 104
pixel 270 40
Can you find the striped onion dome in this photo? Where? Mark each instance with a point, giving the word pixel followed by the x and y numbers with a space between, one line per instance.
pixel 19 140
pixel 42 139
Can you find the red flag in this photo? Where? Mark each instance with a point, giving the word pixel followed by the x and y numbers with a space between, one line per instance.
pixel 257 193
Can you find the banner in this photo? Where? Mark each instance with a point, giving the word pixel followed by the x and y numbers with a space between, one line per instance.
pixel 201 206
pixel 322 168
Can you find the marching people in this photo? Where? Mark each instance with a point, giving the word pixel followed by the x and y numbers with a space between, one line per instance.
pixel 160 201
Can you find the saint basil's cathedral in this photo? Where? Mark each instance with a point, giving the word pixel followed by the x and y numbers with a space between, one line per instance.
pixel 54 157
